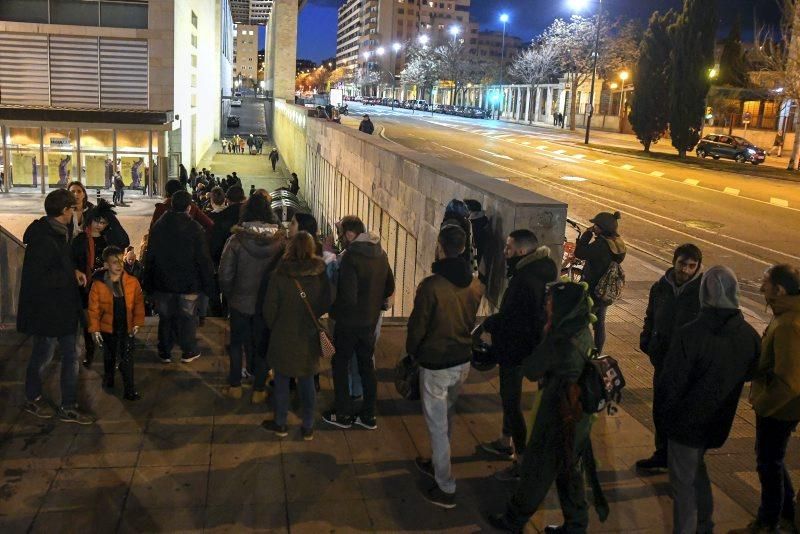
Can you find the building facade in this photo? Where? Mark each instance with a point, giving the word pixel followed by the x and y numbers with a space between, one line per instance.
pixel 251 11
pixel 245 63
pixel 491 45
pixel 97 86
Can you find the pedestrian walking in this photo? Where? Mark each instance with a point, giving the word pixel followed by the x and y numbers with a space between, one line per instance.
pixel 365 282
pixel 254 249
pixel 777 145
pixel 251 143
pixel 177 269
pixel 702 378
pixel 273 157
pixel 299 293
pixel 439 339
pixel 516 330
pixel 116 312
pixel 259 143
pixel 600 246
pixel 183 176
pixel 173 186
pixel 555 118
pixel 674 301
pixel 119 190
pixel 775 397
pixel 366 125
pixel 132 265
pixel 242 144
pixel 294 184
pixel 50 307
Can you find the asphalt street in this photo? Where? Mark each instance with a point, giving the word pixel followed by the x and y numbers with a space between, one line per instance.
pixel 251 118
pixel 745 222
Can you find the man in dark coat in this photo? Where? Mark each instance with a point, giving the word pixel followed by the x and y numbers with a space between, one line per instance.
pixel 366 125
pixel 273 158
pixel 516 330
pixel 674 301
pixel 365 283
pixel 225 220
pixel 177 269
pixel 703 374
pixel 50 307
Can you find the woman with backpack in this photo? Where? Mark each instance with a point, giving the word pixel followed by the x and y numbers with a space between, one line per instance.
pixel 603 250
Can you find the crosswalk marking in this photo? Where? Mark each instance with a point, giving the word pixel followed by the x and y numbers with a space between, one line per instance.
pixel 657 174
pixel 601 161
pixel 690 181
pixel 559 151
pixel 731 191
pixel 779 202
pixel 627 167
pixel 541 147
pixel 578 156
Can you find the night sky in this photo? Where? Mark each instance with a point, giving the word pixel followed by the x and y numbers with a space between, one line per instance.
pixel 317 31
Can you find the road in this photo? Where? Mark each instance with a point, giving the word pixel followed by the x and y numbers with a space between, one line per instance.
pixel 744 222
pixel 251 117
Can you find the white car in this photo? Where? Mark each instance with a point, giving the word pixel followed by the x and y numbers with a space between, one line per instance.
pixel 236 103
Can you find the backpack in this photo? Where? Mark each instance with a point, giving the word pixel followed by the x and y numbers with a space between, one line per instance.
pixel 610 286
pixel 601 384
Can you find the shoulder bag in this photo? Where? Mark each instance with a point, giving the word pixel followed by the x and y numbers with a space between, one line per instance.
pixel 325 343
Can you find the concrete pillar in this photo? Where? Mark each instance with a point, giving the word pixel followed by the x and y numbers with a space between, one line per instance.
pixel 548 105
pixel 518 111
pixel 282 49
pixel 528 101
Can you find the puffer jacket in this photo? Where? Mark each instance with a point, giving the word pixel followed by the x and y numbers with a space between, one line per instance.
pixel 101 303
pixel 598 254
pixel 776 387
pixel 252 250
pixel 445 306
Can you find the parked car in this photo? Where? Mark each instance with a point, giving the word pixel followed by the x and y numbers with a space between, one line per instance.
pixel 421 105
pixel 236 102
pixel 732 147
pixel 438 108
pixel 233 121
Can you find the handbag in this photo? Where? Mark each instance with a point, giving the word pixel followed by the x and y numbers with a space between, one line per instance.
pixel 325 342
pixel 406 378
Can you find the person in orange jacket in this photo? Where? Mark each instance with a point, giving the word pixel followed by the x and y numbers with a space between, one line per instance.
pixel 116 311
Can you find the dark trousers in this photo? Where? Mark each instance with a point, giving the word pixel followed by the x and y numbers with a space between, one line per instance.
pixel 777 492
pixel 308 396
pixel 246 334
pixel 361 341
pixel 511 398
pixel 660 437
pixel 600 326
pixel 88 342
pixel 274 163
pixel 118 347
pixel 177 321
pixel 41 354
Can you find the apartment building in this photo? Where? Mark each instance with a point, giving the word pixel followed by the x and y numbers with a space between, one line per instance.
pixel 251 11
pixel 245 55
pixel 490 45
pixel 90 87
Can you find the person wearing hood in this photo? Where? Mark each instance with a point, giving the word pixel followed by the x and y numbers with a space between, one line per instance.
pixel 365 283
pixel 674 301
pixel 599 246
pixel 366 125
pixel 560 429
pixel 255 247
pixel 298 294
pixel 171 187
pixel 775 397
pixel 440 340
pixel 701 379
pixel 481 233
pixel 456 213
pixel 50 307
pixel 516 329
pixel 225 220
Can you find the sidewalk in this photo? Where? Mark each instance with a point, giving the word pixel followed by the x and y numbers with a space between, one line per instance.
pixel 185 458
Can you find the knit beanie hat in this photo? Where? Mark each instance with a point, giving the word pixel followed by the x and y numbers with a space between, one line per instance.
pixel 719 289
pixel 607 222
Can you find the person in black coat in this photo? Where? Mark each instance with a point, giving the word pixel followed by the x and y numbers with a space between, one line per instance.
pixel 674 301
pixel 366 126
pixel 177 270
pixel 703 375
pixel 50 306
pixel 225 220
pixel 516 329
pixel 481 233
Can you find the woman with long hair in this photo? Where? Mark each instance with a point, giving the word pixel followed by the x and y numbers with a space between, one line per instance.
pixel 76 225
pixel 298 294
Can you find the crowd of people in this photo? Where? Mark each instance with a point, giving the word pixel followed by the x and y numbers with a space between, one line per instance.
pixel 217 251
pixel 237 144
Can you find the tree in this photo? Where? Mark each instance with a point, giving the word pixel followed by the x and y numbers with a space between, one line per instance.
pixel 732 64
pixel 536 65
pixel 692 59
pixel 650 101
pixel 620 48
pixel 421 70
pixel 453 63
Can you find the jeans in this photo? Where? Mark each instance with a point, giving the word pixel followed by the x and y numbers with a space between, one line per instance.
pixel 600 311
pixel 440 389
pixel 260 363
pixel 246 331
pixel 308 396
pixel 177 321
pixel 511 398
pixel 356 389
pixel 41 354
pixel 692 502
pixel 777 493
pixel 118 346
pixel 361 341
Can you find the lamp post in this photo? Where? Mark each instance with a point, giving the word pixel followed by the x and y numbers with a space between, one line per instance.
pixel 366 69
pixel 624 77
pixel 454 31
pixel 579 5
pixel 395 48
pixel 504 19
pixel 380 51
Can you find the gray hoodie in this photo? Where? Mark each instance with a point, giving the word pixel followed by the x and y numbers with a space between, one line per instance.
pixel 719 288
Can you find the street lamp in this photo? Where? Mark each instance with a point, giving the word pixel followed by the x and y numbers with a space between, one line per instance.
pixel 367 55
pixel 624 77
pixel 423 40
pixel 396 48
pixel 455 30
pixel 504 18
pixel 580 5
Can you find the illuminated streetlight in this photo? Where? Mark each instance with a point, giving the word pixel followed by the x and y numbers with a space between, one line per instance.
pixel 424 40
pixel 380 51
pixel 713 72
pixel 455 30
pixel 624 75
pixel 504 18
pixel 578 5
pixel 613 85
pixel 396 47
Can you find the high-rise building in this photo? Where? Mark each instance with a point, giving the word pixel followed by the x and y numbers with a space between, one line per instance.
pixel 251 11
pixel 90 87
pixel 245 55
pixel 490 46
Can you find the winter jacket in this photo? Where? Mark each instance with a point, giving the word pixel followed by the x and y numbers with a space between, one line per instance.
pixel 776 387
pixel 365 282
pixel 49 296
pixel 481 234
pixel 254 248
pixel 445 306
pixel 177 258
pixel 517 327
pixel 598 254
pixel 668 308
pixel 134 269
pixel 101 303
pixel 194 212
pixel 224 221
pixel 294 348
pixel 366 126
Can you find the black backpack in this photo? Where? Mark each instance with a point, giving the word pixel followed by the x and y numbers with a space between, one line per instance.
pixel 601 384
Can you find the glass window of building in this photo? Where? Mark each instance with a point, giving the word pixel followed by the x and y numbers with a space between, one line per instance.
pixel 123 14
pixel 97 153
pixel 24 11
pixel 23 152
pixel 133 155
pixel 76 12
pixel 60 156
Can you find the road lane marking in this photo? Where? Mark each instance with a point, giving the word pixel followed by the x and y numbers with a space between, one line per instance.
pixel 657 174
pixel 559 151
pixel 526 143
pixel 574 179
pixel 779 202
pixel 627 166
pixel 579 156
pixel 503 136
pixel 541 147
pixel 691 181
pixel 601 161
pixel 502 156
pixel 731 191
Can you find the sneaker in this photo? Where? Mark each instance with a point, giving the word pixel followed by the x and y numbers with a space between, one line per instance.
pixel 425 467
pixel 233 392
pixel 40 408
pixel 73 415
pixel 246 374
pixel 498 448
pixel 436 496
pixel 307 433
pixel 165 358
pixel 132 396
pixel 657 462
pixel 190 357
pixel 342 421
pixel 500 522
pixel 509 474
pixel 258 397
pixel 370 423
pixel 356 398
pixel 555 529
pixel 279 430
